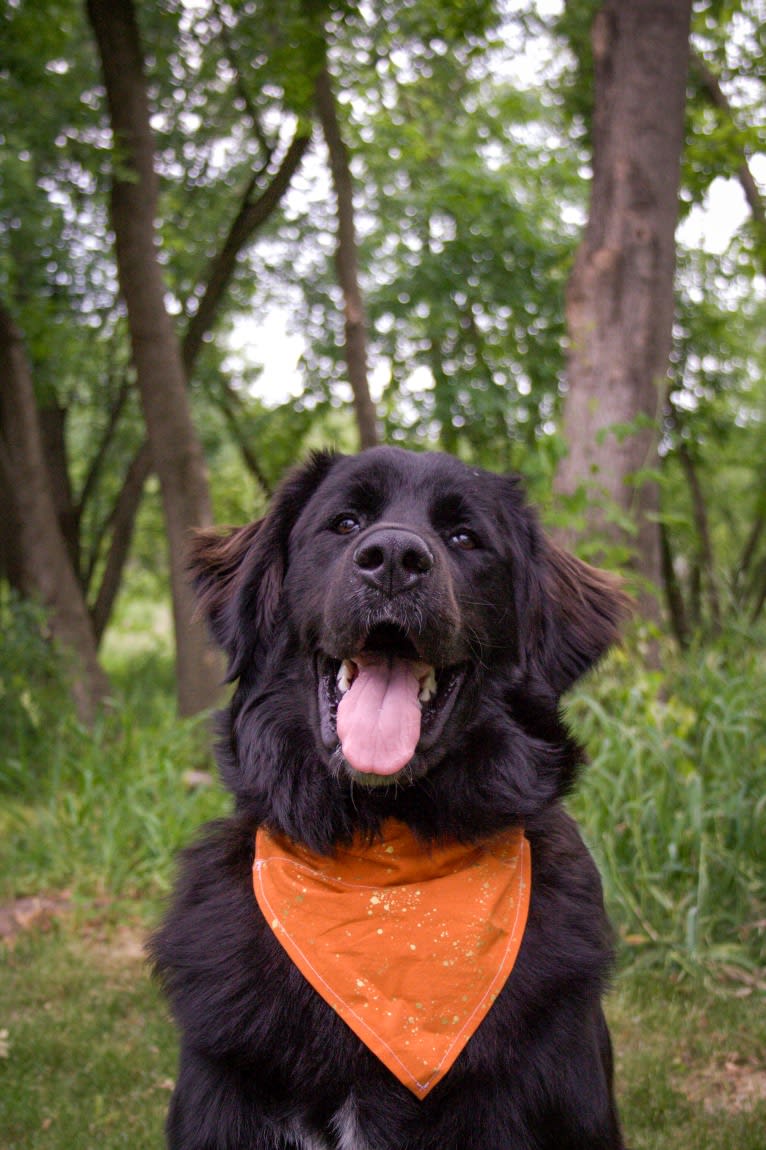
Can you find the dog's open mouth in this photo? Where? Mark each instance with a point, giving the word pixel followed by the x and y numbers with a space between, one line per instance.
pixel 384 703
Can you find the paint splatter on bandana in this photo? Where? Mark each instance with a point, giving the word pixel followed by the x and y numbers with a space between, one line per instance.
pixel 409 945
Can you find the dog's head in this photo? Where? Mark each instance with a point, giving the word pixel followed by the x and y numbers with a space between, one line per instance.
pixel 393 606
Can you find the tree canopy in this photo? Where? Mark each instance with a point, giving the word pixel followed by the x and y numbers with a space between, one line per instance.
pixel 436 213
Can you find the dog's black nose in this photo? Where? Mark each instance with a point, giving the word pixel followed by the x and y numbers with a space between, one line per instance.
pixel 393 559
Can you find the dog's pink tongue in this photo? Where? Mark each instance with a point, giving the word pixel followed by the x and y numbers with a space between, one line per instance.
pixel 379 716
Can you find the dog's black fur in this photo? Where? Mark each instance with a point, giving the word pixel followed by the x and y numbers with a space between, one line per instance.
pixel 510 622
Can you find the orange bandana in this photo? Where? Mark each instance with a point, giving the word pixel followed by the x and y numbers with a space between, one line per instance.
pixel 409 946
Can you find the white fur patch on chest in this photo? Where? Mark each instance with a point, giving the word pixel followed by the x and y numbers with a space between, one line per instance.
pixel 345 1126
pixel 307 1141
pixel 346 1123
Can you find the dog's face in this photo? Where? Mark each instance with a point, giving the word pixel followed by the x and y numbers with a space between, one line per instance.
pixel 392 605
pixel 399 586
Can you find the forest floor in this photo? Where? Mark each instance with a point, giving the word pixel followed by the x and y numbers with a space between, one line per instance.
pixel 87 1051
pixel 91 823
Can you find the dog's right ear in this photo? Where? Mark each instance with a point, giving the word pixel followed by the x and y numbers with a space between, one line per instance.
pixel 239 574
pixel 215 561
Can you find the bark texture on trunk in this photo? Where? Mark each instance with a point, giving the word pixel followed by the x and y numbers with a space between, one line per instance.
pixel 176 451
pixel 11 567
pixel 52 423
pixel 42 561
pixel 347 264
pixel 254 211
pixel 619 306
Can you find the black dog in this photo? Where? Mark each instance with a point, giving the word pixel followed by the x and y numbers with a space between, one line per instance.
pixel 414 603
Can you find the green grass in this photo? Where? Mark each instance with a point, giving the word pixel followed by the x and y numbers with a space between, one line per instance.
pixel 691 1072
pixel 111 809
pixel 673 806
pixel 91 1054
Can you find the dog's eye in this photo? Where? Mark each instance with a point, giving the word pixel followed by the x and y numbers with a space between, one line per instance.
pixel 464 540
pixel 345 524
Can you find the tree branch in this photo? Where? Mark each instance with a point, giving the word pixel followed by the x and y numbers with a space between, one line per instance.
pixel 242 89
pixel 346 262
pixel 97 462
pixel 252 214
pixel 122 521
pixel 712 88
pixel 228 401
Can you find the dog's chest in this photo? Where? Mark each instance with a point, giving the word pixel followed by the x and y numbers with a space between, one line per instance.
pixel 410 948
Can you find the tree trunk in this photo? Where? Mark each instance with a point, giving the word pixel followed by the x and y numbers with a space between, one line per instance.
pixel 52 423
pixel 346 262
pixel 122 522
pixel 744 569
pixel 43 563
pixel 619 306
pixel 673 595
pixel 704 540
pixel 90 483
pixel 11 567
pixel 760 596
pixel 251 215
pixel 176 451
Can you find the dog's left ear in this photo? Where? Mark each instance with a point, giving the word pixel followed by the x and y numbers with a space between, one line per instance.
pixel 581 614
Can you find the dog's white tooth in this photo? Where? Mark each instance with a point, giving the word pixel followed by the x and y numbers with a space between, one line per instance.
pixel 427 686
pixel 345 676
